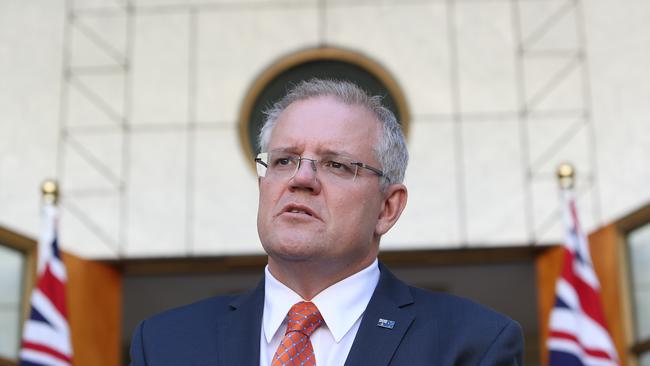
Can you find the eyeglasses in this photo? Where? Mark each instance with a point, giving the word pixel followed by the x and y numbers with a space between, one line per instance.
pixel 285 165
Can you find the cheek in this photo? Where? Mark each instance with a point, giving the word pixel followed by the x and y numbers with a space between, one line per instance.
pixel 268 193
pixel 266 203
pixel 356 214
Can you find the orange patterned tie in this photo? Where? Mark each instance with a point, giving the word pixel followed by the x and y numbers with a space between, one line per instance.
pixel 295 348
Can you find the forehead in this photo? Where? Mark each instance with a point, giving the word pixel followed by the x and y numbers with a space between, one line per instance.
pixel 326 124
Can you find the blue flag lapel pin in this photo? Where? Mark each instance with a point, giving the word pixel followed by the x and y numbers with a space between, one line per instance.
pixel 385 323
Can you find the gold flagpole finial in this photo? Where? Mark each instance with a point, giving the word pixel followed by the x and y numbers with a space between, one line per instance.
pixel 566 175
pixel 50 191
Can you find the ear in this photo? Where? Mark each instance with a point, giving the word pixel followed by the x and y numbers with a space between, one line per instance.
pixel 394 202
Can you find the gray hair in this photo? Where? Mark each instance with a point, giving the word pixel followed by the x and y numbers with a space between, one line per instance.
pixel 391 150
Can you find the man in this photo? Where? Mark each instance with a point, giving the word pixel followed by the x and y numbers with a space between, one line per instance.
pixel 330 186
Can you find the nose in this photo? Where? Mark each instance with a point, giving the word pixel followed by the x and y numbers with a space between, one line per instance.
pixel 305 177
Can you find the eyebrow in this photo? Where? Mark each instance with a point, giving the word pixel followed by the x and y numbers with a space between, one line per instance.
pixel 339 153
pixel 289 149
pixel 294 149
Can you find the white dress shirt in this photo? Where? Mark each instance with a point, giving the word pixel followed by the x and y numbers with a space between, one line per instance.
pixel 341 305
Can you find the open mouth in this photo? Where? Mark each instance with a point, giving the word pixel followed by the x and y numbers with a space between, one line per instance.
pixel 295 210
pixel 301 210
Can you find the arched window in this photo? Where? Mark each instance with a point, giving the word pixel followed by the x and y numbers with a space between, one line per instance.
pixel 327 63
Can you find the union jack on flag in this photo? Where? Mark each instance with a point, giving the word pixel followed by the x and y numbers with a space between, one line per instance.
pixel 46 334
pixel 578 335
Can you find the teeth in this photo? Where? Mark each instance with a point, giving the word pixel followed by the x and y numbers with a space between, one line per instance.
pixel 295 210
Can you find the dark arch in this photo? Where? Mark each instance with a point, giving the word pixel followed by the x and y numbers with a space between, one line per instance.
pixel 327 63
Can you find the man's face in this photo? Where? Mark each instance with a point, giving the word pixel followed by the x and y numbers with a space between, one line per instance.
pixel 307 218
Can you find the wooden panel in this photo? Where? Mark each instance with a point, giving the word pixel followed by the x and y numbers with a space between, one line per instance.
pixel 94 311
pixel 5 362
pixel 605 253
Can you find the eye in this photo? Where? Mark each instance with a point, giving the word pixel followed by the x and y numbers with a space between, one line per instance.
pixel 282 161
pixel 335 165
pixel 338 167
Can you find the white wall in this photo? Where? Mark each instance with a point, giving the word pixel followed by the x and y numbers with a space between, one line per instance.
pixel 30 73
pixel 499 93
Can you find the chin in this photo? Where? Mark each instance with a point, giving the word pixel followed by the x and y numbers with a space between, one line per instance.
pixel 291 249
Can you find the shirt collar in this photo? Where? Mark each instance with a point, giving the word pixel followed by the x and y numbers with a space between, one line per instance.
pixel 340 304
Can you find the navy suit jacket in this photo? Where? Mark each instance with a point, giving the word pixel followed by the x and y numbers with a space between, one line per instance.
pixel 430 329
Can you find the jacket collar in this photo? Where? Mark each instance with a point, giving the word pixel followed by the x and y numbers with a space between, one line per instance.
pixel 239 331
pixel 385 322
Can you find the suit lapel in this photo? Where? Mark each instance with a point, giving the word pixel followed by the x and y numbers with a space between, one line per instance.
pixel 239 331
pixel 373 344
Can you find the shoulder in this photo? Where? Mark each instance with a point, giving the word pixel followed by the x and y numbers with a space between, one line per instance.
pixel 447 329
pixel 178 335
pixel 436 306
pixel 200 310
pixel 198 317
pixel 455 310
pixel 468 330
pixel 443 308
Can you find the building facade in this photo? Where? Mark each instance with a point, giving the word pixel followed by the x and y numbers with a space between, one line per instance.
pixel 143 110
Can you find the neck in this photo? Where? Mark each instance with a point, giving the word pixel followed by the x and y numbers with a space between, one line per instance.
pixel 308 279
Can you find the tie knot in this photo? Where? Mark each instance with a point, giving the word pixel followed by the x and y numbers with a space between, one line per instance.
pixel 303 317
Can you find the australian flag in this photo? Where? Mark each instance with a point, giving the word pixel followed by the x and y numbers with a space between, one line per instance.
pixel 46 334
pixel 578 335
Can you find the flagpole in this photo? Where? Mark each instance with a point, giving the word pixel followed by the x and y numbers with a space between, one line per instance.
pixel 578 333
pixel 566 175
pixel 50 192
pixel 46 337
pixel 49 213
pixel 49 196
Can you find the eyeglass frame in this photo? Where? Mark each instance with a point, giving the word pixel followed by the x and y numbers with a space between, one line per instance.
pixel 358 164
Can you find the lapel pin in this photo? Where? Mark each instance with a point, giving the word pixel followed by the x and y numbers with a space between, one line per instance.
pixel 385 323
